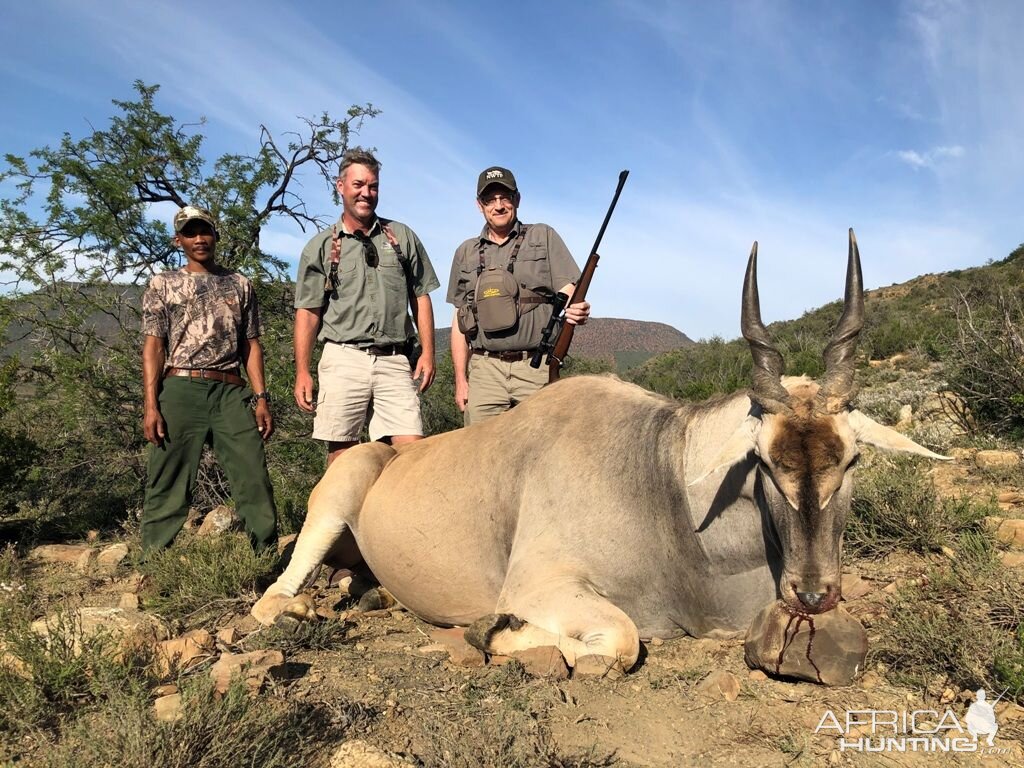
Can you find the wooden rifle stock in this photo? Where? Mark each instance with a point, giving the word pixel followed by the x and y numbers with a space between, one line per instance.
pixel 561 346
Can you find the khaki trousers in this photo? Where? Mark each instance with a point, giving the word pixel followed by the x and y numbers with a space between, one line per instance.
pixel 496 386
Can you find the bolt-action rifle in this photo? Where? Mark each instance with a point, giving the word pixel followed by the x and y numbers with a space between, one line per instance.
pixel 557 328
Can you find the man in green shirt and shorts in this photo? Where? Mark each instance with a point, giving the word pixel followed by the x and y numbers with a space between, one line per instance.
pixel 492 363
pixel 355 284
pixel 201 325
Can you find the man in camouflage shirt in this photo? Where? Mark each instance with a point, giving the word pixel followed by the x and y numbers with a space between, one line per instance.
pixel 201 323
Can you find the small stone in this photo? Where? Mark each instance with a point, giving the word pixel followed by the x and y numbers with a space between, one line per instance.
pixel 219 520
pixel 182 653
pixel 1011 531
pixel 1010 497
pixel 228 636
pixel 657 642
pixel 947 696
pixel 246 624
pixel 947 552
pixel 128 601
pixel 997 460
pixel 130 629
pixel 757 676
pixel 1012 559
pixel 165 690
pixel 359 754
pixel 440 648
pixel 779 643
pixel 59 553
pixel 720 685
pixel 459 651
pixel 870 679
pixel 167 709
pixel 92 536
pixel 285 542
pixel 546 661
pixel 85 561
pixel 255 667
pixel 110 557
pixel 854 587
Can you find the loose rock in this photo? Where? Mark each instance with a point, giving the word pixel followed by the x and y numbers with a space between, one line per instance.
pixel 827 648
pixel 127 628
pixel 219 520
pixel 459 651
pixel 255 666
pixel 359 754
pixel 1007 530
pixel 182 653
pixel 128 601
pixel 997 460
pixel 167 709
pixel 720 685
pixel 546 661
pixel 110 557
pixel 60 553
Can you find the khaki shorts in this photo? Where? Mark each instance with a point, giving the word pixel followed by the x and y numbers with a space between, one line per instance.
pixel 495 386
pixel 355 386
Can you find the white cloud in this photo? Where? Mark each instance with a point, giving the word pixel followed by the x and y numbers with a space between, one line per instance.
pixel 929 158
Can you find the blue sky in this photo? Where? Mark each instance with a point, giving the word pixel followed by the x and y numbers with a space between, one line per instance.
pixel 782 122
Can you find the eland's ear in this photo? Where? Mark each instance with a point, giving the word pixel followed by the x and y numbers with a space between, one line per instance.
pixel 736 448
pixel 871 432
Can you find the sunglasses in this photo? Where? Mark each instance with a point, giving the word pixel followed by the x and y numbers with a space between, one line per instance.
pixel 369 251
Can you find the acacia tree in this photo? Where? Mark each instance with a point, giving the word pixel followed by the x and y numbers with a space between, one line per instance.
pixel 78 241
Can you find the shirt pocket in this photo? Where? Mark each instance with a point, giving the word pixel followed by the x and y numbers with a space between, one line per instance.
pixel 532 269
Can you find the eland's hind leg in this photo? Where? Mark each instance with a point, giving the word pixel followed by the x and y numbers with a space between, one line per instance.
pixel 333 506
pixel 594 636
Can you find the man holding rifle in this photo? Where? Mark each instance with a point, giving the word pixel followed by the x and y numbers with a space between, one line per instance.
pixel 502 283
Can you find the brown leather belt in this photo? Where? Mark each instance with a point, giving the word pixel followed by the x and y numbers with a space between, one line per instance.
pixel 509 356
pixel 205 373
pixel 377 350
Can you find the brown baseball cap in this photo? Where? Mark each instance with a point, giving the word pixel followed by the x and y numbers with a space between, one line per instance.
pixel 193 213
pixel 496 175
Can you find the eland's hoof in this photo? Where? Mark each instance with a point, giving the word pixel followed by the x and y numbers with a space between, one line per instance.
pixel 272 607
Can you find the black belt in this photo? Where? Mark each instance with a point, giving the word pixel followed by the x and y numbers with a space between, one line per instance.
pixel 377 350
pixel 508 356
pixel 228 377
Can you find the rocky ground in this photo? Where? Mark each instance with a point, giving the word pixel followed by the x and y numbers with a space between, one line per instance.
pixel 418 695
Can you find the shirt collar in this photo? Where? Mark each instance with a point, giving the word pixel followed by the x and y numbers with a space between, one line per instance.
pixel 374 228
pixel 512 235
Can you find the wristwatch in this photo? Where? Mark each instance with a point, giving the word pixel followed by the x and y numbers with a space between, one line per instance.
pixel 261 396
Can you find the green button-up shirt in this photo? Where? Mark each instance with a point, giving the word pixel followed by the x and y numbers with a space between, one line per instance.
pixel 370 305
pixel 543 262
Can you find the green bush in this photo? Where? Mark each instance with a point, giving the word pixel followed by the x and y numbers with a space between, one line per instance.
pixel 204 572
pixel 963 622
pixel 895 507
pixel 986 362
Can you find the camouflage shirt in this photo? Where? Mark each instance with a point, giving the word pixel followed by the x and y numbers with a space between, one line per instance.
pixel 203 316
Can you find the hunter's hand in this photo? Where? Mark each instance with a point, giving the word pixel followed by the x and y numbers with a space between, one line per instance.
pixel 304 391
pixel 577 314
pixel 462 394
pixel 424 372
pixel 264 419
pixel 153 426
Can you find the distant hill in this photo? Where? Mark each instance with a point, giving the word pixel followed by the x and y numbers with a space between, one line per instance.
pixel 622 343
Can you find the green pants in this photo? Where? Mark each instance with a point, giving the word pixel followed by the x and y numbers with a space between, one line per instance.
pixel 496 386
pixel 198 411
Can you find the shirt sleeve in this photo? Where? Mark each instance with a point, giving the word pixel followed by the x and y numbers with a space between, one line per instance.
pixel 250 311
pixel 424 280
pixel 309 283
pixel 457 286
pixel 155 318
pixel 563 266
